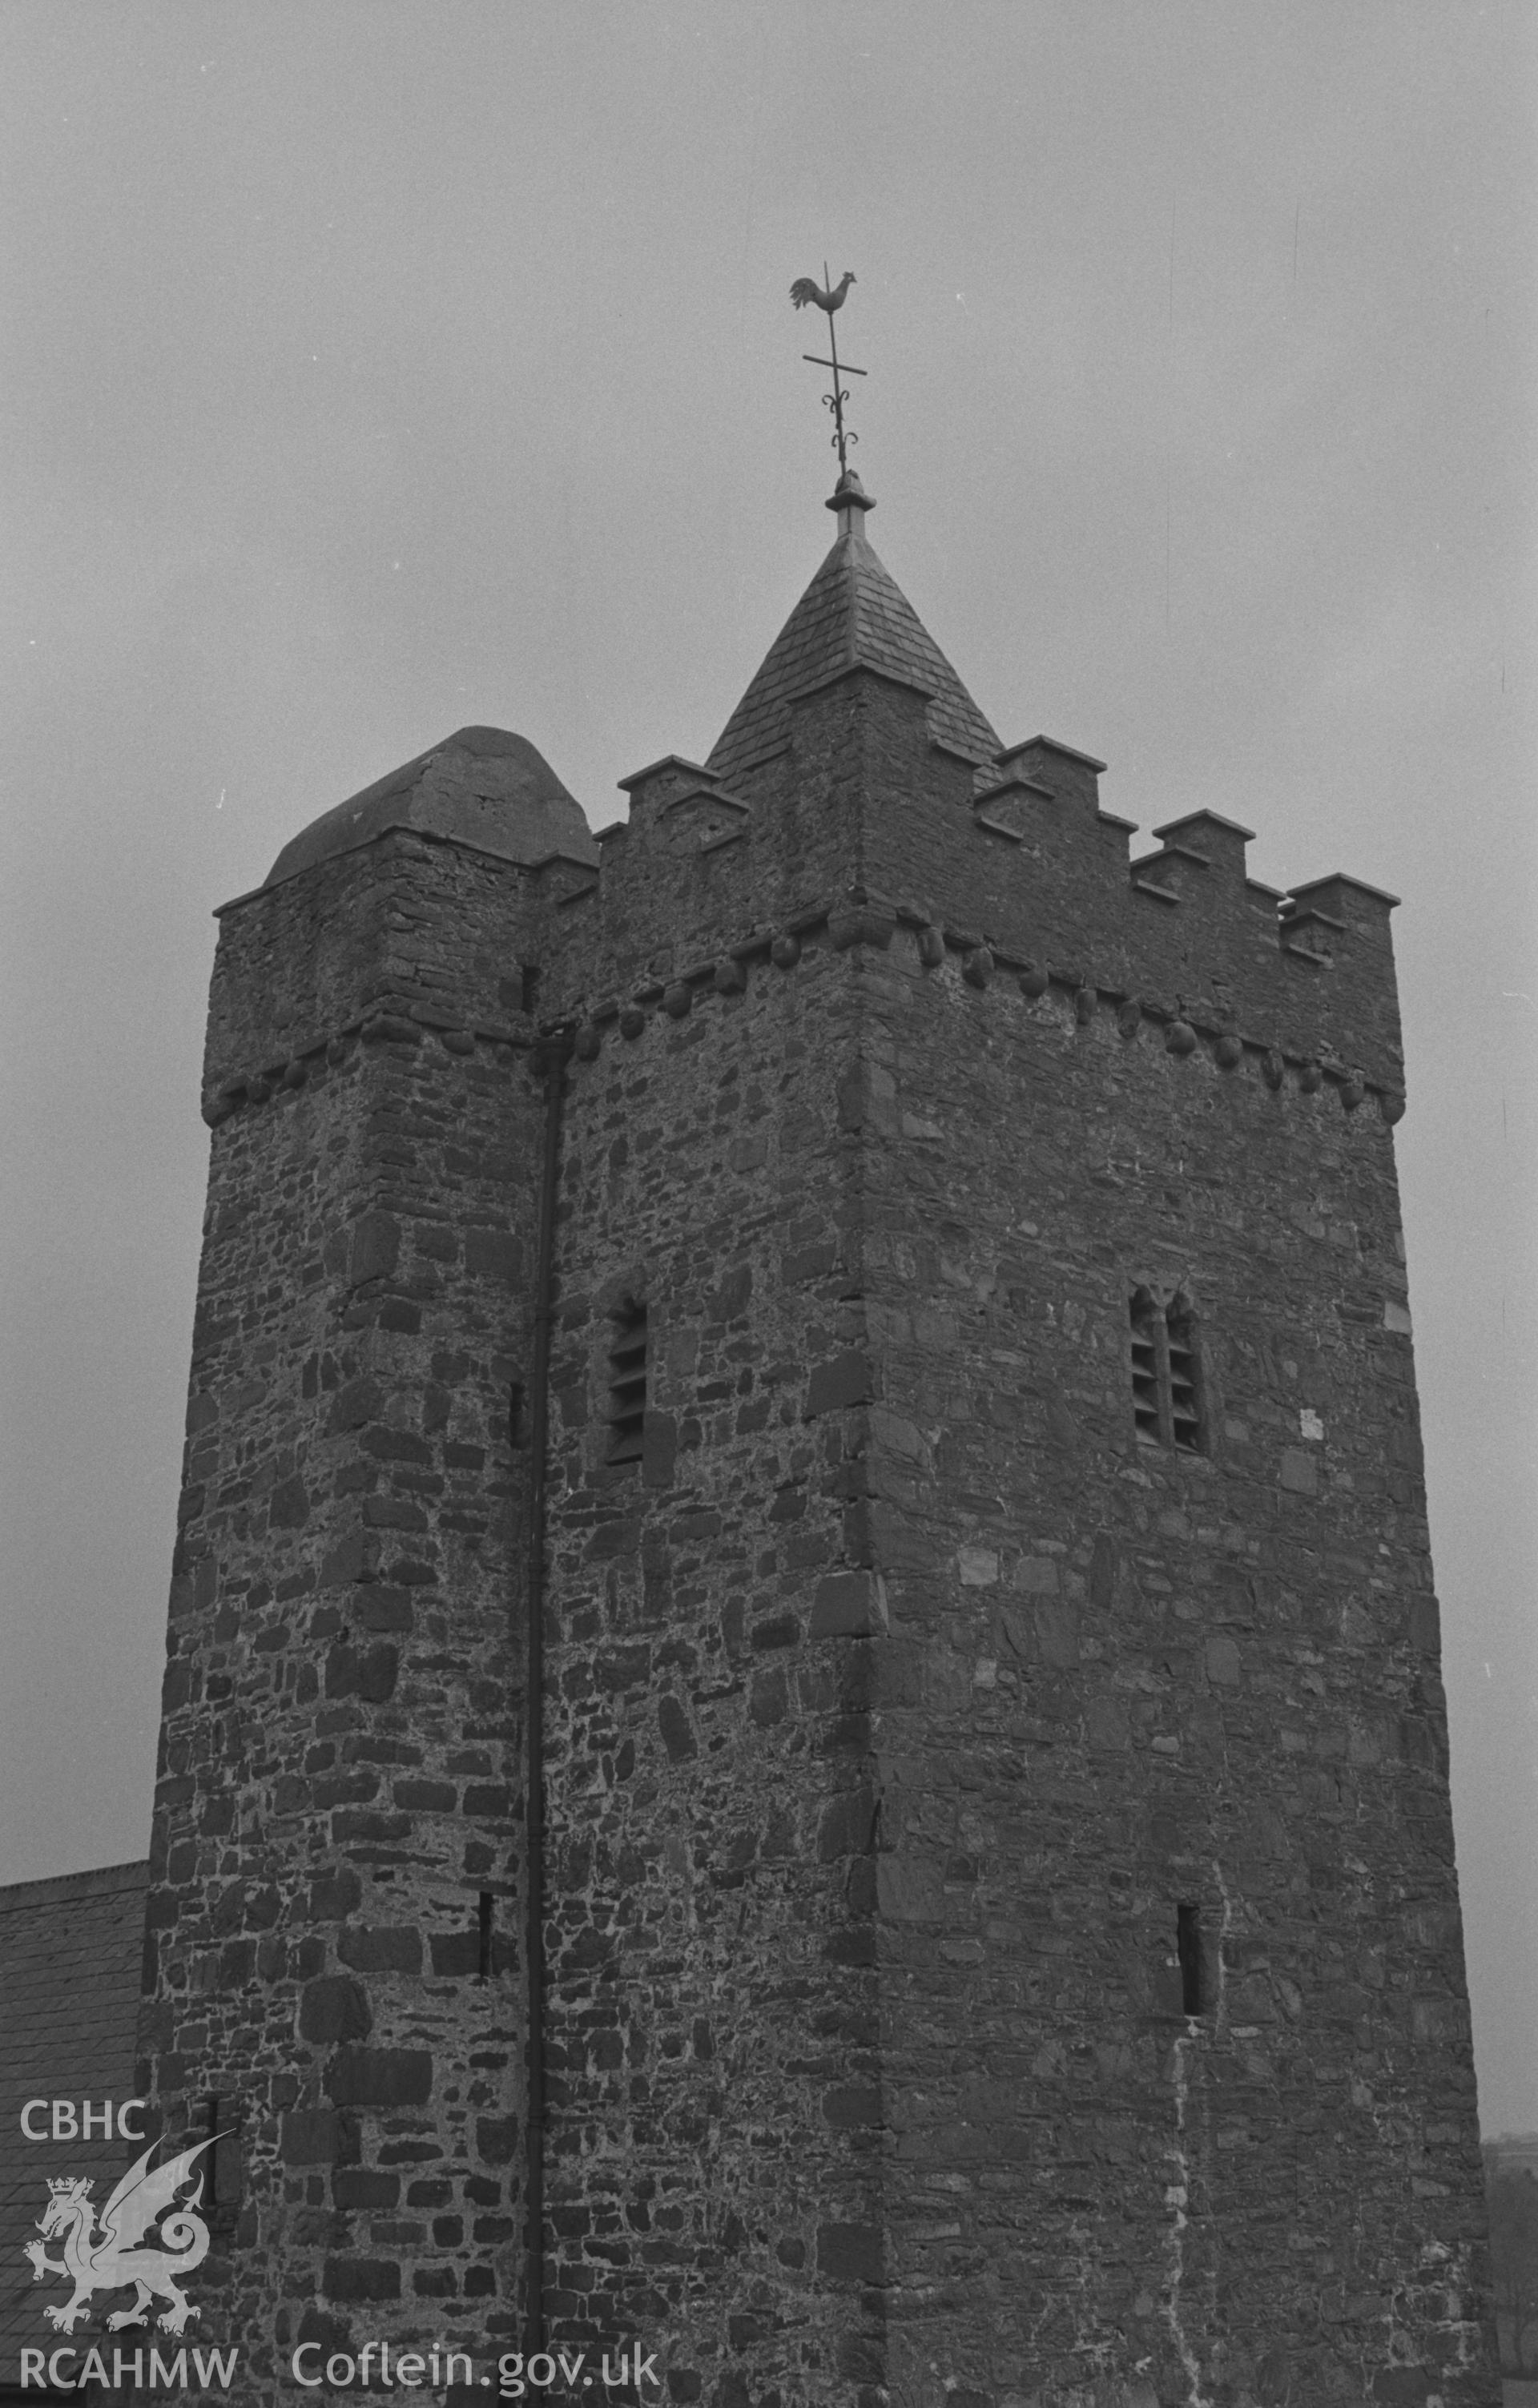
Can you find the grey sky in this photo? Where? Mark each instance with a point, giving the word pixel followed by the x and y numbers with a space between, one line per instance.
pixel 373 368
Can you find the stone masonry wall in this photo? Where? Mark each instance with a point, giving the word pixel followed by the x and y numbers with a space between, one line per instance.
pixel 1123 1678
pixel 1106 1680
pixel 711 2020
pixel 337 1897
pixel 423 929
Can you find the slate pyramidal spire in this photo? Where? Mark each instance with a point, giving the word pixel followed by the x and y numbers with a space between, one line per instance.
pixel 853 615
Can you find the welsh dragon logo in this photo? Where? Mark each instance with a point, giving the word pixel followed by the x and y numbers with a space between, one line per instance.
pixel 108 2260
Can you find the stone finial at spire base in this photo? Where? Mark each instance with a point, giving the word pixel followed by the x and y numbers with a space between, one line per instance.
pixel 851 500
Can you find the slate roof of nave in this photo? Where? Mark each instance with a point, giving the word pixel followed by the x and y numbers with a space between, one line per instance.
pixel 853 615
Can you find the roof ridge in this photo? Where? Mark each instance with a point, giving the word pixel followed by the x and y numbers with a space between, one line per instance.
pixel 95 1881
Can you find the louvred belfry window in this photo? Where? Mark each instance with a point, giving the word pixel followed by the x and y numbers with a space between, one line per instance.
pixel 1144 1364
pixel 1166 1370
pixel 1185 1408
pixel 627 1384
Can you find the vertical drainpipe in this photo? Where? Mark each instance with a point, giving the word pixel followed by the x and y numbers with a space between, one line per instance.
pixel 552 1060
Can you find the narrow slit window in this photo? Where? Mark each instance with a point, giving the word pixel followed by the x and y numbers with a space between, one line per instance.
pixel 1166 1372
pixel 1188 1947
pixel 515 1415
pixel 627 1384
pixel 486 1912
pixel 220 2164
pixel 529 987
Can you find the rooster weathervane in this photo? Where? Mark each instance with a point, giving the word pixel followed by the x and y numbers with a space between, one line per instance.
pixel 830 297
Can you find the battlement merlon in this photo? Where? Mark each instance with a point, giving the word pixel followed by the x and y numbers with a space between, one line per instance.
pixel 1362 909
pixel 670 763
pixel 1220 841
pixel 1058 767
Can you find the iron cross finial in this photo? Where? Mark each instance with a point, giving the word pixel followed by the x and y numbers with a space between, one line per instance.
pixel 830 297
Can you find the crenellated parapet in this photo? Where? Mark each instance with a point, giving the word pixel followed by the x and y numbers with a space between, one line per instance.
pixel 412 931
pixel 1049 871
pixel 1018 861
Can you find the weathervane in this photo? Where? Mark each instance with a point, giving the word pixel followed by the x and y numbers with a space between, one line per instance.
pixel 829 297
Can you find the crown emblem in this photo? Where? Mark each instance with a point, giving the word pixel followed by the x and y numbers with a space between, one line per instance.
pixel 60 2183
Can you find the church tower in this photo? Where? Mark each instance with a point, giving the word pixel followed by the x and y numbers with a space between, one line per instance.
pixel 803 1727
